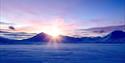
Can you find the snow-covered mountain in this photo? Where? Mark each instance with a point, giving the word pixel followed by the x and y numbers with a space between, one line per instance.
pixel 113 37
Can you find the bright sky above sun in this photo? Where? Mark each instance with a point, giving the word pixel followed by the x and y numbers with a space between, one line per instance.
pixel 43 15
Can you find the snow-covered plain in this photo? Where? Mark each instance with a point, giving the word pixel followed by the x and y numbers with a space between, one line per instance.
pixel 63 53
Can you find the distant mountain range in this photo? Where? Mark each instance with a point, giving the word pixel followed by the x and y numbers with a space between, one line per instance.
pixel 107 29
pixel 91 32
pixel 113 37
pixel 98 31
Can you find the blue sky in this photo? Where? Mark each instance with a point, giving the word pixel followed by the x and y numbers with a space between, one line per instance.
pixel 75 13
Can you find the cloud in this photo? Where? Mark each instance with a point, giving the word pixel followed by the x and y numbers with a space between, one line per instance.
pixel 5 23
pixel 39 26
pixel 12 27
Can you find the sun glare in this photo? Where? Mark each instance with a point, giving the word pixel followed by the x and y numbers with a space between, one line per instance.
pixel 53 31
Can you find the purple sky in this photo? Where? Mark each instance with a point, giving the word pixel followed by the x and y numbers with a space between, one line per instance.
pixel 73 14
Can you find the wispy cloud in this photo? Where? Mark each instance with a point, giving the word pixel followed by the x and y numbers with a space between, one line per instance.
pixel 5 23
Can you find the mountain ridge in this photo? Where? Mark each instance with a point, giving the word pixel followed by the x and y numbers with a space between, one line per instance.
pixel 113 37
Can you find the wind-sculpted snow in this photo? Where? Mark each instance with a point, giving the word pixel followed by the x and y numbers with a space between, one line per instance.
pixel 63 53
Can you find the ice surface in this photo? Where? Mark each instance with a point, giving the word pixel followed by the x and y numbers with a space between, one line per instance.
pixel 63 53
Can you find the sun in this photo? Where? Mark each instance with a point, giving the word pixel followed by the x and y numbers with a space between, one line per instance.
pixel 53 31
